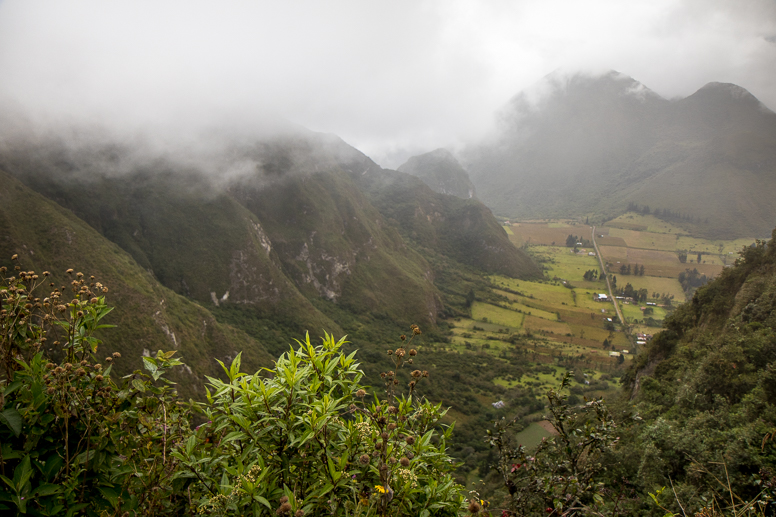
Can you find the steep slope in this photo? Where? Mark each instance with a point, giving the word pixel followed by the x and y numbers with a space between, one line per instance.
pixel 590 145
pixel 463 229
pixel 704 388
pixel 194 239
pixel 148 316
pixel 442 172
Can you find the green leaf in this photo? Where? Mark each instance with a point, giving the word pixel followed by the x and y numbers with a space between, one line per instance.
pixel 13 420
pixel 46 490
pixel 235 368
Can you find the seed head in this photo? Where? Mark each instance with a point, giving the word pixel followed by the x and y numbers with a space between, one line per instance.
pixel 99 378
pixel 413 352
pixel 474 507
pixel 284 508
pixel 14 256
pixel 403 337
pixel 108 359
pixel 405 462
pixel 299 513
pixel 360 394
pixel 410 440
pixel 416 374
pixel 116 355
pixel 363 459
pixel 69 271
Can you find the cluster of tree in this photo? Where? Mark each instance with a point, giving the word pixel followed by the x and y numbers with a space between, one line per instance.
pixel 666 214
pixel 683 256
pixel 572 241
pixel 591 274
pixel 625 269
pixel 639 295
pixel 692 280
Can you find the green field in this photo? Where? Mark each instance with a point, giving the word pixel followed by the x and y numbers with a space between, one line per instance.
pixel 490 313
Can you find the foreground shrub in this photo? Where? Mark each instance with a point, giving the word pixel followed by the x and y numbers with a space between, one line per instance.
pixel 301 438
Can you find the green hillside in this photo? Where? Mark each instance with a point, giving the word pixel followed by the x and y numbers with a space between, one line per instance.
pixel 148 316
pixel 463 229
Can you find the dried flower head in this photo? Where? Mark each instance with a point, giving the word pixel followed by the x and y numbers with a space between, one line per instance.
pixel 116 355
pixel 403 337
pixel 474 507
pixel 363 459
pixel 360 394
pixel 69 271
pixel 410 440
pixel 413 352
pixel 405 462
pixel 284 508
pixel 416 374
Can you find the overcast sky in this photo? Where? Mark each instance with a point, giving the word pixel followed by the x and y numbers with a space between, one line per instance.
pixel 391 77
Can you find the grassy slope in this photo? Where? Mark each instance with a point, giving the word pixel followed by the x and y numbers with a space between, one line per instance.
pixel 49 237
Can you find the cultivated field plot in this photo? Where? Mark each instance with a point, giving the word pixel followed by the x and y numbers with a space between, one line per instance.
pixel 632 312
pixel 654 284
pixel 535 324
pixel 712 248
pixel 643 239
pixel 656 263
pixel 546 234
pixel 564 263
pixel 649 223
pixel 508 318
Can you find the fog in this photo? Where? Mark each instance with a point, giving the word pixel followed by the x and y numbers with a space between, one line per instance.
pixel 391 78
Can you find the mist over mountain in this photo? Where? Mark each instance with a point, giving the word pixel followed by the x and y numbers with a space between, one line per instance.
pixel 442 172
pixel 580 145
pixel 275 235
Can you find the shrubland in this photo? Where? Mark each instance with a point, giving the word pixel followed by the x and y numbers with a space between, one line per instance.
pixel 692 433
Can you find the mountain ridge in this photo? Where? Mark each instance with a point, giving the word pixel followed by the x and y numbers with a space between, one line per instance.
pixel 591 145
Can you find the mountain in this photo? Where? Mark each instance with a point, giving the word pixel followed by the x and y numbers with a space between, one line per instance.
pixel 442 172
pixel 463 229
pixel 148 315
pixel 581 145
pixel 274 236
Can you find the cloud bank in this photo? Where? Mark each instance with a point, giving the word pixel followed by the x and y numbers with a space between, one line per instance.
pixel 391 78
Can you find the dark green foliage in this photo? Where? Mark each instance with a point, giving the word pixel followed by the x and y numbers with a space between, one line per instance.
pixel 562 477
pixel 703 391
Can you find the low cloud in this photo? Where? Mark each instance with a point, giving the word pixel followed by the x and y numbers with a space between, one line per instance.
pixel 392 78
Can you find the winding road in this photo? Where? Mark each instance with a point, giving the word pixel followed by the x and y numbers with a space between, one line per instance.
pixel 608 284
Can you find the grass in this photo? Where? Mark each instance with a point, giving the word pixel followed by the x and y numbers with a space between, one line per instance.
pixel 497 315
pixel 654 284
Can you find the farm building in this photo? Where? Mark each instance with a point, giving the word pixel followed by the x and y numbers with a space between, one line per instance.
pixel 614 354
pixel 601 298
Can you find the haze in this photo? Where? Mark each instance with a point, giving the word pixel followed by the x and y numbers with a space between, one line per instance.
pixel 391 78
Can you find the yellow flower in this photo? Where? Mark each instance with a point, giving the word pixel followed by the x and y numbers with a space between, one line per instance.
pixel 380 489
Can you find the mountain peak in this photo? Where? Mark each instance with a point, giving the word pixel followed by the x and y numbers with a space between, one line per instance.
pixel 441 171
